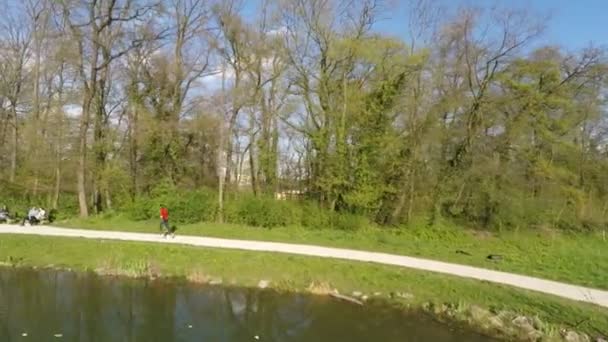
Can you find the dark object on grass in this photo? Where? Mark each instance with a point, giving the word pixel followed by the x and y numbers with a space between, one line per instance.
pixel 459 251
pixel 170 230
pixel 14 260
pixel 52 215
pixel 494 257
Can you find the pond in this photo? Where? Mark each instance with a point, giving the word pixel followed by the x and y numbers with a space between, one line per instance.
pixel 45 305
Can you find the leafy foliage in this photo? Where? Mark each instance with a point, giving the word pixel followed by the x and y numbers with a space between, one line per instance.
pixel 476 126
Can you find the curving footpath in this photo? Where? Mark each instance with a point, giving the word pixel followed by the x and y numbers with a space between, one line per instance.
pixel 574 292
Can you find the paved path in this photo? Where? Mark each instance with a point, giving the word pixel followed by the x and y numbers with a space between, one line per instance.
pixel 574 292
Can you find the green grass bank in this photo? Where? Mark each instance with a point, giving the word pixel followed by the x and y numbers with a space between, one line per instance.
pixel 497 310
pixel 577 258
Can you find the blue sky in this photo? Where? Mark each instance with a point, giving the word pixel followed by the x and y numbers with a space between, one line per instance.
pixel 573 23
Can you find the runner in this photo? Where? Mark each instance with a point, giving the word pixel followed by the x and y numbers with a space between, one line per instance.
pixel 164 222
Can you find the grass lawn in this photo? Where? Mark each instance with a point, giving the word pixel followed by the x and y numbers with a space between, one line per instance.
pixel 574 258
pixel 297 273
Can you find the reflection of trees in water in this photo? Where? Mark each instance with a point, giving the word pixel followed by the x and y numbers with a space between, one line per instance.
pixel 86 307
pixel 268 314
pixel 201 309
pixel 232 314
pixel 5 306
pixel 31 300
pixel 241 306
pixel 294 317
pixel 24 299
pixel 114 309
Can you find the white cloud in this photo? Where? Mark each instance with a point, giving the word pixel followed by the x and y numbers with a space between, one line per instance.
pixel 281 31
pixel 214 79
pixel 72 110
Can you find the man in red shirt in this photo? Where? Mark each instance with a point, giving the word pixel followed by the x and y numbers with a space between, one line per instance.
pixel 164 221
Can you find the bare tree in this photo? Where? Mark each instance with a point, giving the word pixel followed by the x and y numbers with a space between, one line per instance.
pixel 169 75
pixel 231 45
pixel 14 56
pixel 91 26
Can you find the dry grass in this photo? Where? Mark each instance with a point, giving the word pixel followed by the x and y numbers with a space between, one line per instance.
pixel 320 288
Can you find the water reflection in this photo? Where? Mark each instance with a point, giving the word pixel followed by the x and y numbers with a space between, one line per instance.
pixel 85 307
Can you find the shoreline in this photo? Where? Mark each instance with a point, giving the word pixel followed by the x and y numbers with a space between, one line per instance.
pixel 566 257
pixel 319 277
pixel 373 302
pixel 564 290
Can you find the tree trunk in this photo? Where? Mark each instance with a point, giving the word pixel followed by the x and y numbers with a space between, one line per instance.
pixel 228 161
pixel 59 141
pixel 406 194
pixel 254 182
pixel 82 154
pixel 252 142
pixel 133 151
pixel 220 167
pixel 108 199
pixel 55 199
pixel 36 112
pixel 100 132
pixel 410 206
pixel 14 147
pixel 273 179
pixel 220 198
pixel 80 173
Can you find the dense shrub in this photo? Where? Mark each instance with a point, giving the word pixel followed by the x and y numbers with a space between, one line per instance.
pixel 19 201
pixel 313 216
pixel 348 221
pixel 184 206
pixel 67 206
pixel 256 211
pixel 511 209
pixel 263 212
pixel 142 208
pixel 192 206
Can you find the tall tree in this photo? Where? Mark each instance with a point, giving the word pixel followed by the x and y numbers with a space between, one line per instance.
pixel 92 27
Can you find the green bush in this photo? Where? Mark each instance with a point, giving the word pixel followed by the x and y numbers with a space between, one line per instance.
pixel 141 209
pixel 67 206
pixel 268 212
pixel 315 217
pixel 164 188
pixel 19 201
pixel 191 207
pixel 184 206
pixel 231 211
pixel 347 221
pixel 262 212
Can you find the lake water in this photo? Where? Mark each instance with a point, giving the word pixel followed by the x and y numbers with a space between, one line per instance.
pixel 65 306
